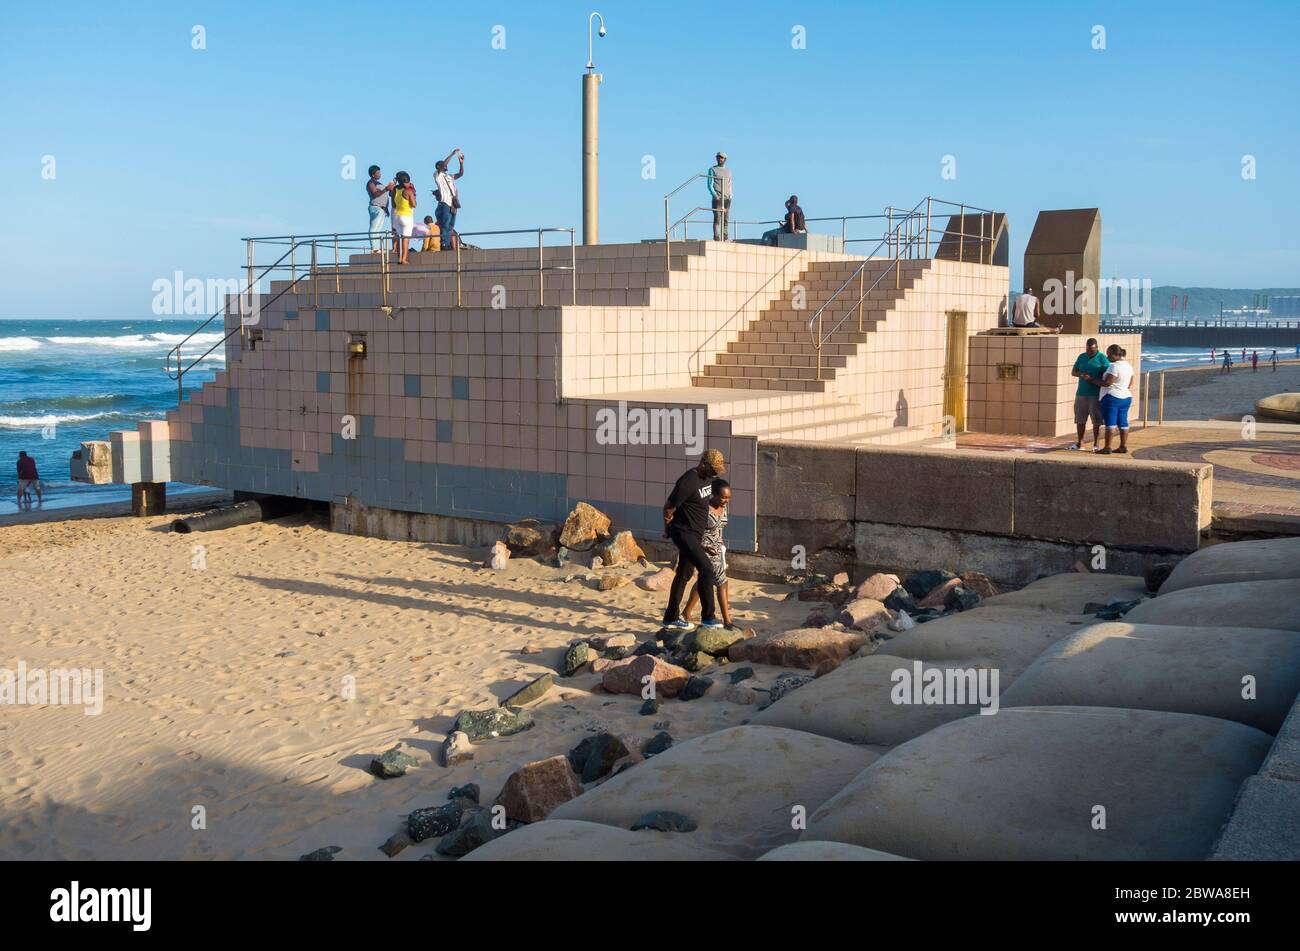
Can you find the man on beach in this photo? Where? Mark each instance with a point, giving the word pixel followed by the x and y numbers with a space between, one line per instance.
pixel 1227 363
pixel 448 196
pixel 1273 359
pixel 28 479
pixel 1254 361
pixel 1090 369
pixel 719 181
pixel 686 519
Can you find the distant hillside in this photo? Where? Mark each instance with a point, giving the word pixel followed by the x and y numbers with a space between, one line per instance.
pixel 1205 301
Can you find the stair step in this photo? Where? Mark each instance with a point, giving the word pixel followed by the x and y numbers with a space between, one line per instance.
pixel 781 359
pixel 767 371
pixel 760 383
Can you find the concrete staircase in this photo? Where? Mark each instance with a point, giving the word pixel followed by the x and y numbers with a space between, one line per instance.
pixel 778 350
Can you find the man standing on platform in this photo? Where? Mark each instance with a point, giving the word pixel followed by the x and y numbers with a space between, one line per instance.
pixel 686 519
pixel 448 196
pixel 720 193
pixel 1090 369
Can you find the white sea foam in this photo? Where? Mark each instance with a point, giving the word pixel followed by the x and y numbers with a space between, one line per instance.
pixel 51 419
pixel 18 344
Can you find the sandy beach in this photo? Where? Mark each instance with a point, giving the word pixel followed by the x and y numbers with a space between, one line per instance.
pixel 1208 393
pixel 225 670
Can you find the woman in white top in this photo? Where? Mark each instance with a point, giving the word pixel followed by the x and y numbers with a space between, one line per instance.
pixel 1116 397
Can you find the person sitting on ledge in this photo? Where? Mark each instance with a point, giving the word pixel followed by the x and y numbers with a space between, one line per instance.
pixel 792 223
pixel 428 231
pixel 1026 312
pixel 1116 397
pixel 716 549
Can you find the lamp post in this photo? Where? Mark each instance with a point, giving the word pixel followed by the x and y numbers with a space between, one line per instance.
pixel 591 141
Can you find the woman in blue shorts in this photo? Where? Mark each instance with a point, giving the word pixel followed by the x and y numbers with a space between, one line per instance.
pixel 1116 398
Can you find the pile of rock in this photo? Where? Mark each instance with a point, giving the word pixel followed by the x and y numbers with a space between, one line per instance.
pixel 586 530
pixel 884 602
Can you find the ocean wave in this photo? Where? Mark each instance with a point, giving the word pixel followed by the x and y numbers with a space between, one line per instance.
pixel 136 341
pixel 57 419
pixel 65 402
pixel 18 344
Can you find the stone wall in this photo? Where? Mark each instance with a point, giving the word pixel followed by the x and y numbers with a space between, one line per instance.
pixel 1011 516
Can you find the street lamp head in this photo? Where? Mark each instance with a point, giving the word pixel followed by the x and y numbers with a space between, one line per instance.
pixel 601 31
pixel 591 22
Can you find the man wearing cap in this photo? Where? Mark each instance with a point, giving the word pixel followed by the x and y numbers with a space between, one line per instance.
pixel 720 192
pixel 686 518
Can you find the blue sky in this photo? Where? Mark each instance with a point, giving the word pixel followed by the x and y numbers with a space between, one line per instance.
pixel 166 155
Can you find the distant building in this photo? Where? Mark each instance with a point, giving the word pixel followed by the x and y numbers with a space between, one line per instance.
pixel 1284 306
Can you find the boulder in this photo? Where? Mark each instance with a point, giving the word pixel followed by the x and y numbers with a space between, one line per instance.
pixel 938 596
pixel 473 834
pixel 657 744
pixel 695 688
pixel 921 583
pixel 498 558
pixel 529 537
pixel 433 821
pixel 604 642
pixel 865 614
pixel 741 693
pixel 902 623
pixel 535 789
pixel 585 526
pixel 809 648
pixel 740 674
pixel 961 598
pixel 627 676
pixel 595 756
pixel 784 684
pixel 622 549
pixel 325 854
pixel 650 707
pixel 1026 784
pixel 479 725
pixel 456 749
pixel 1156 575
pixel 1269 559
pixel 714 641
pixel 531 692
pixel 740 785
pixel 610 582
pixel 1283 406
pixel 665 820
pixel 575 658
pixel 470 792
pixel 900 600
pixel 395 843
pixel 393 763
pixel 1176 668
pixel 661 580
pixel 877 587
pixel 1268 604
pixel 979 582
pixel 556 840
pixel 820 616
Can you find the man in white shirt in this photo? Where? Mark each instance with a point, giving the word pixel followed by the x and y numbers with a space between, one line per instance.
pixel 1026 312
pixel 448 197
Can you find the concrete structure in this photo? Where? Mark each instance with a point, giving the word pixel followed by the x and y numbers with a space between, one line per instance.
pixel 1063 264
pixel 1020 380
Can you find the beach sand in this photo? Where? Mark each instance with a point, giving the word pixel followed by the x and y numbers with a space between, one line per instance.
pixel 1208 393
pixel 224 685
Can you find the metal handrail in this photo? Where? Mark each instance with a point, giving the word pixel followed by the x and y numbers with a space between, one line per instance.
pixel 902 240
pixel 668 238
pixel 351 241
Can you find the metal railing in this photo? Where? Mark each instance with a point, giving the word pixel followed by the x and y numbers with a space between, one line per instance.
pixel 908 239
pixel 308 250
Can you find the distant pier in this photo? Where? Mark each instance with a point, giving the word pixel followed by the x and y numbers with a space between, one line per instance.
pixel 1186 332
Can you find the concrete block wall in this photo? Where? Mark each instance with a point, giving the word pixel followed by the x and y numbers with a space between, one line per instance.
pixel 1040 401
pixel 1012 516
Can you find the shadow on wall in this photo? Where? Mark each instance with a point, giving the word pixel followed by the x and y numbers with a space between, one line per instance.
pixel 900 410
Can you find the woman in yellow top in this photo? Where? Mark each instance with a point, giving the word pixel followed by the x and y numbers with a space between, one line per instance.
pixel 403 215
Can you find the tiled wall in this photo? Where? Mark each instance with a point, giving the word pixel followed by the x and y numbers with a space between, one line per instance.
pixel 1040 402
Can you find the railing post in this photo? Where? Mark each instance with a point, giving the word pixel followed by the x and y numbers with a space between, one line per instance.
pixel 573 265
pixel 338 284
pixel 981 238
pixel 315 284
pixel 1162 397
pixel 293 260
pixel 862 291
pixel 458 303
pixel 818 347
pixel 541 272
pixel 1146 398
pixel 668 254
pixel 889 229
pixel 383 272
pixel 928 199
pixel 961 237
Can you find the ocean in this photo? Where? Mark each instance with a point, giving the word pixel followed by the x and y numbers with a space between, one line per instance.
pixel 66 381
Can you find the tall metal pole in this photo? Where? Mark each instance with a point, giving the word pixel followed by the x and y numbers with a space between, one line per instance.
pixel 591 141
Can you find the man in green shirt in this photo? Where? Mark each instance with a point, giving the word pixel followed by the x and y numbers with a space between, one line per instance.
pixel 1090 369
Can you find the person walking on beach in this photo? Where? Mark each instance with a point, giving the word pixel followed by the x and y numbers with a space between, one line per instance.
pixel 716 549
pixel 1273 359
pixel 448 196
pixel 379 196
pixel 1254 361
pixel 28 479
pixel 686 519
pixel 1116 397
pixel 719 182
pixel 1090 368
pixel 1227 363
pixel 404 202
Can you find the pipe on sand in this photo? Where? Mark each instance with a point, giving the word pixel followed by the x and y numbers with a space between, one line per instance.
pixel 241 513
